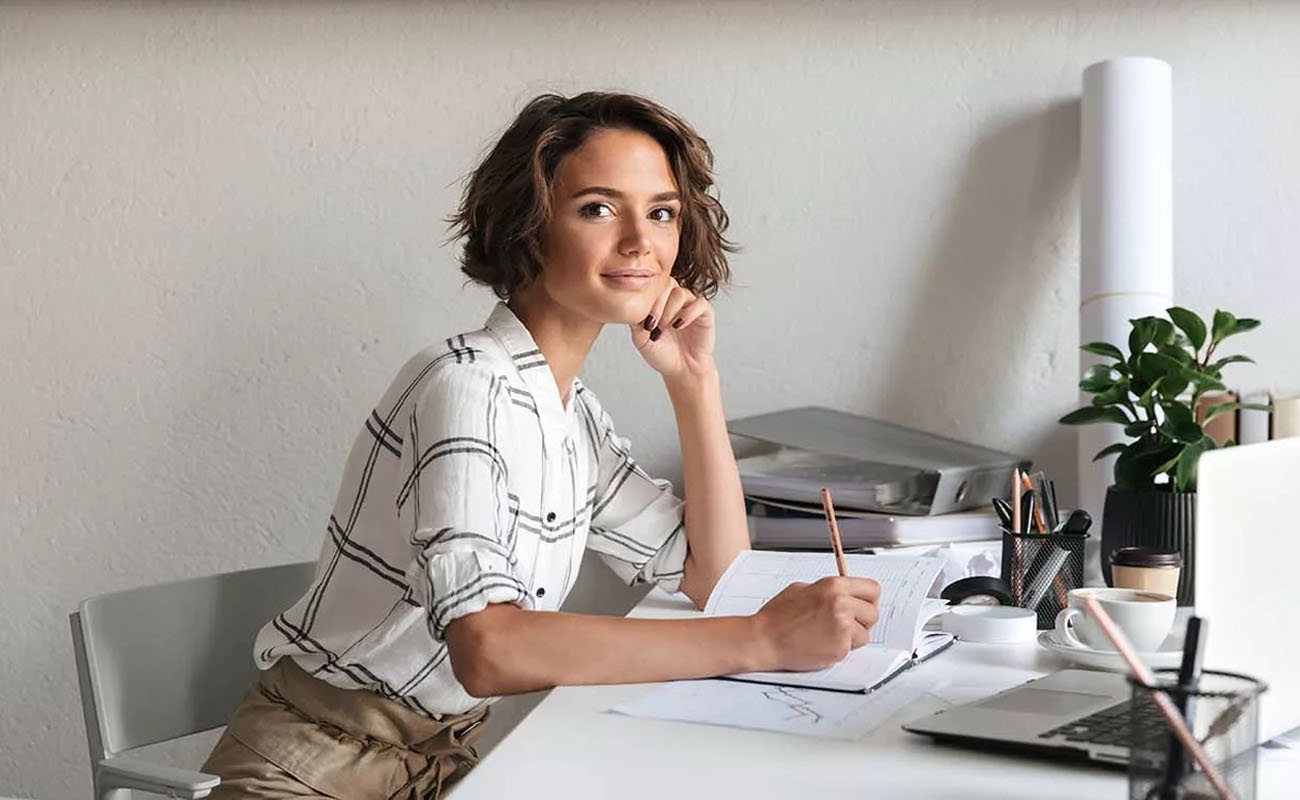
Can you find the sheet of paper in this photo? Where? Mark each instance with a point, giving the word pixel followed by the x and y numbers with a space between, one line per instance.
pixel 806 712
pixel 758 575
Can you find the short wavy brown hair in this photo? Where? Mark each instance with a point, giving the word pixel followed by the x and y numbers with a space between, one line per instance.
pixel 507 200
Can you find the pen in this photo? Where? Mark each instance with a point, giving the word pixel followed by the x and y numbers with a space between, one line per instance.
pixel 1015 500
pixel 835 533
pixel 1189 672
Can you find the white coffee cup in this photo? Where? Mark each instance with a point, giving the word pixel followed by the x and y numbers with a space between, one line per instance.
pixel 1144 616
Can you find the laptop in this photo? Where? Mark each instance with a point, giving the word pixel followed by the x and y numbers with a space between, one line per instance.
pixel 1247 558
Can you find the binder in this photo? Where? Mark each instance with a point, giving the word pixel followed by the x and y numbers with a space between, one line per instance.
pixel 868 464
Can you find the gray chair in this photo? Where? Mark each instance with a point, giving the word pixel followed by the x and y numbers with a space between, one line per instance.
pixel 161 662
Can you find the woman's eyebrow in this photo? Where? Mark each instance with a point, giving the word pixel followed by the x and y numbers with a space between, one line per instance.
pixel 605 191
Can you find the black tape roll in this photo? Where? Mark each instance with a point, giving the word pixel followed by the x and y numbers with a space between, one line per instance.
pixel 979 590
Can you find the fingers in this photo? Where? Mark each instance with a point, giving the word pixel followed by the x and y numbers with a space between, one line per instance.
pixel 656 315
pixel 676 308
pixel 678 299
pixel 855 605
pixel 866 615
pixel 861 588
pixel 853 621
pixel 695 308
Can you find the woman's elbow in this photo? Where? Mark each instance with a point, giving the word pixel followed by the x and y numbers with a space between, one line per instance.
pixel 472 646
pixel 697 584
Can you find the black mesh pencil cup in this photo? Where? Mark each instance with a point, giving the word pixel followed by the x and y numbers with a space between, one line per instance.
pixel 1041 569
pixel 1222 713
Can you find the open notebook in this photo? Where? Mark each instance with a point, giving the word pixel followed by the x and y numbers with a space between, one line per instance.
pixel 897 640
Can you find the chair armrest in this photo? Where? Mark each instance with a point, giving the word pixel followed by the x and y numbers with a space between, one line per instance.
pixel 130 773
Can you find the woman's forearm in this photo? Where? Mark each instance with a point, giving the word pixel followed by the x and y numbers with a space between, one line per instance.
pixel 715 507
pixel 507 650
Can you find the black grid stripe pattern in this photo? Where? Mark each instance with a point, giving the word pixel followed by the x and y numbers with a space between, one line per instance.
pixel 469 483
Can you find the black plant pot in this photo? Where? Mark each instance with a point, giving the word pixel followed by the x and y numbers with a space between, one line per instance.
pixel 1151 518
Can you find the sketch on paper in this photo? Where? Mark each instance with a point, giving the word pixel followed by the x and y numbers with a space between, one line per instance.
pixel 807 712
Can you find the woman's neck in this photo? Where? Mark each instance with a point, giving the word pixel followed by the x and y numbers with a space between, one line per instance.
pixel 565 338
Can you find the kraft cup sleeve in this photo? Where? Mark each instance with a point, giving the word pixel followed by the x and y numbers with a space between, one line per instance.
pixel 1063 631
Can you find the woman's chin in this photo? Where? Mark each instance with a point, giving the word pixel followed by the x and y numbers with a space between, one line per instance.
pixel 626 311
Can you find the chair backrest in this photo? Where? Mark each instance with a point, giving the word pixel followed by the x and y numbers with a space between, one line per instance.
pixel 165 661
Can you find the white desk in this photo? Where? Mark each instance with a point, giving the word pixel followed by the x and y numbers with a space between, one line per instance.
pixel 570 748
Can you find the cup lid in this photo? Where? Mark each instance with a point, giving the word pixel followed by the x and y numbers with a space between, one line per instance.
pixel 1146 557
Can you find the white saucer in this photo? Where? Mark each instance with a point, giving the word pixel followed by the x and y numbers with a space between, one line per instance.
pixel 1168 656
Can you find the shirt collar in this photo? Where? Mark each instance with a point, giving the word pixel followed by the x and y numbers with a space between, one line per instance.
pixel 533 369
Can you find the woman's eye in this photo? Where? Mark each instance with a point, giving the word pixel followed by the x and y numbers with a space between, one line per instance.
pixel 596 210
pixel 663 215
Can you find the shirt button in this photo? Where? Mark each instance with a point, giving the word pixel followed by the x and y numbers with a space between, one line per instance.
pixel 541 591
pixel 550 516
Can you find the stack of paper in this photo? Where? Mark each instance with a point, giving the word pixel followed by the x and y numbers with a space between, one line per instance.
pixel 776 525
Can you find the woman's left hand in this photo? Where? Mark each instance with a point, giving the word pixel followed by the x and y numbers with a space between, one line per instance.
pixel 678 342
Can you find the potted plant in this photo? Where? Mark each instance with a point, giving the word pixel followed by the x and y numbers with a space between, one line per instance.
pixel 1153 391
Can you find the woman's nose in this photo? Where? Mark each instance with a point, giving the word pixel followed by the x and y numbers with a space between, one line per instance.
pixel 635 241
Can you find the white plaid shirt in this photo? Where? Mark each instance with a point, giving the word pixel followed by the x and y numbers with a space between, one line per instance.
pixel 469 484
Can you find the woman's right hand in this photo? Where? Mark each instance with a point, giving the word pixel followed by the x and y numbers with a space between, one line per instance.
pixel 811 626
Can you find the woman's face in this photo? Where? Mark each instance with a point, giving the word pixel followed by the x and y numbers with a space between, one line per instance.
pixel 614 229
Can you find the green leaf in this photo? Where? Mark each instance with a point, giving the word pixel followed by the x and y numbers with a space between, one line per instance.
pixel 1241 326
pixel 1103 349
pixel 1136 467
pixel 1150 367
pixel 1136 429
pixel 1224 324
pixel 1098 378
pixel 1256 406
pixel 1172 387
pixel 1170 464
pixel 1205 381
pixel 1109 450
pixel 1190 324
pixel 1185 475
pixel 1177 413
pixel 1164 335
pixel 1213 411
pixel 1090 414
pixel 1178 354
pixel 1223 362
pixel 1114 395
pixel 1144 331
pixel 1187 432
pixel 1146 396
pixel 1179 424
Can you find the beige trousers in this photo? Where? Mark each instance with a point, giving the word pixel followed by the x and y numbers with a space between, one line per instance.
pixel 297 736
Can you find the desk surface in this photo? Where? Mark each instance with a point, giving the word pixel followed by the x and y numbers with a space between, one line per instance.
pixel 568 747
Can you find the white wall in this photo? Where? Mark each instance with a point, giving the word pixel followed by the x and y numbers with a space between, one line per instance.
pixel 220 234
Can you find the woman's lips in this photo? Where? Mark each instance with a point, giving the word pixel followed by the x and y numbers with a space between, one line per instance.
pixel 630 279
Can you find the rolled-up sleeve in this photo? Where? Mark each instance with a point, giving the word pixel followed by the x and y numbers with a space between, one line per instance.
pixel 455 502
pixel 637 524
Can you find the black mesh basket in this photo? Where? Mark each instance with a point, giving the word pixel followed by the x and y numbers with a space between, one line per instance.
pixel 1042 568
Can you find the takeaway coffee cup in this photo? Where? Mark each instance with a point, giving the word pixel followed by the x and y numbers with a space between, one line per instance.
pixel 1146 568
pixel 1145 617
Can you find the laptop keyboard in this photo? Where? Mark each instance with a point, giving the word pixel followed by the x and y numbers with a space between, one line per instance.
pixel 1109 726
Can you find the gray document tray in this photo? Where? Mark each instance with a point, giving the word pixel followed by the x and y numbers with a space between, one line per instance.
pixel 902 470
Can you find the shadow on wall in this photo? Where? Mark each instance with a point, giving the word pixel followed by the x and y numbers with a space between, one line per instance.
pixel 996 271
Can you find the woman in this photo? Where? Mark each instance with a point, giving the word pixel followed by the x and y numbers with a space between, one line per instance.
pixel 487 468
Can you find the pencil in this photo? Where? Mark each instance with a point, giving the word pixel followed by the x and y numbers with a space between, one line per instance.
pixel 1162 701
pixel 1027 484
pixel 836 545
